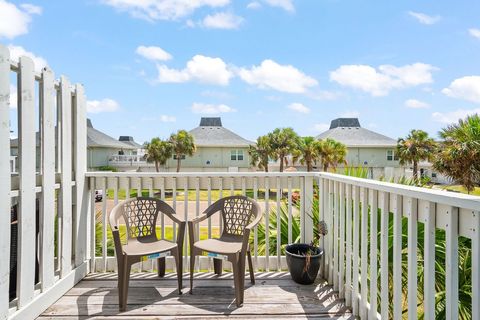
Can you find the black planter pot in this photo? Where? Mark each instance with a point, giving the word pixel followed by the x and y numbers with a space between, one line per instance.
pixel 297 262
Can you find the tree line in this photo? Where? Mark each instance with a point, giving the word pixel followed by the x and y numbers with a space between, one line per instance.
pixel 282 143
pixel 456 155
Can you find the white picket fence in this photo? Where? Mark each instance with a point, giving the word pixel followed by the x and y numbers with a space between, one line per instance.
pixel 68 215
pixel 53 108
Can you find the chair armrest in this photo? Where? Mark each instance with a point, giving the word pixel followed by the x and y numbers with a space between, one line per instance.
pixel 169 212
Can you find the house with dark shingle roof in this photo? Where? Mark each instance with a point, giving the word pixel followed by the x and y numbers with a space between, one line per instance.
pixel 218 149
pixel 366 148
pixel 100 147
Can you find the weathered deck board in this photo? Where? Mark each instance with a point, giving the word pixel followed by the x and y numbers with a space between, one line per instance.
pixel 274 296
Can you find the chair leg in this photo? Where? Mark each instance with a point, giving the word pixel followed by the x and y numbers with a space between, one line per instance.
pixel 217 266
pixel 161 267
pixel 237 281
pixel 179 263
pixel 121 280
pixel 127 266
pixel 241 271
pixel 192 267
pixel 250 267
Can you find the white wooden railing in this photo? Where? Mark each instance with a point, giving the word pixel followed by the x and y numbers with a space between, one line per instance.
pixel 127 159
pixel 171 186
pixel 56 182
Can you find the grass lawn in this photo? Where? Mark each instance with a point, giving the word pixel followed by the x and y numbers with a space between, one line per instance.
pixel 461 189
pixel 215 194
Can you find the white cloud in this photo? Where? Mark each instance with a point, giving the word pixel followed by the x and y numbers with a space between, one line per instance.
pixel 211 108
pixel 454 116
pixel 165 118
pixel 474 33
pixel 466 88
pixel 298 107
pixel 13 97
pixel 222 20
pixel 424 18
pixel 350 114
pixel 271 75
pixel 200 68
pixel 153 10
pixel 15 21
pixel 16 52
pixel 254 5
pixel 387 77
pixel 31 9
pixel 287 5
pixel 104 105
pixel 153 53
pixel 416 104
pixel 321 127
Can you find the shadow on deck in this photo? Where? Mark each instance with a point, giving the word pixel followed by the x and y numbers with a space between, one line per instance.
pixel 274 296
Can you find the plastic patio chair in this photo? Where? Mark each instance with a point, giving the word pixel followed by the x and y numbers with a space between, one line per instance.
pixel 140 216
pixel 233 244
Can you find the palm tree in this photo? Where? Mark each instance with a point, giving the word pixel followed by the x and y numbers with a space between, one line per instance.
pixel 308 152
pixel 183 145
pixel 260 153
pixel 158 151
pixel 415 147
pixel 283 142
pixel 332 153
pixel 459 155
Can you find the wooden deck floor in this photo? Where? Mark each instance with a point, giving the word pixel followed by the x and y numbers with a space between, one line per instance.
pixel 274 296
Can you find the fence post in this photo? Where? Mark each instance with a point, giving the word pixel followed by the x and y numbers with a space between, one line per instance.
pixel 308 205
pixel 5 179
pixel 80 163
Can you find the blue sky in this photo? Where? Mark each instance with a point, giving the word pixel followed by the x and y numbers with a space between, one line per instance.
pixel 151 67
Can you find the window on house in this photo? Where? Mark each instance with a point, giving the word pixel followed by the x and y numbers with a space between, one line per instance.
pixel 389 155
pixel 236 155
pixel 182 157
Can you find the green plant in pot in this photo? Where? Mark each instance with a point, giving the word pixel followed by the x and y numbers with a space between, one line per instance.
pixel 303 259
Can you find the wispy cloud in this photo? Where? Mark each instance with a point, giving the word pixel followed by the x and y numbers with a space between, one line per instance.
pixel 474 32
pixel 222 20
pixel 379 82
pixel 453 116
pixel 466 88
pixel 205 108
pixel 104 105
pixel 424 18
pixel 153 53
pixel 298 107
pixel 416 104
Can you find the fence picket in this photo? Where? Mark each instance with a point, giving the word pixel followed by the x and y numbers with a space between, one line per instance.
pixel 47 215
pixel 412 214
pixel 27 165
pixel 384 289
pixel 373 201
pixel 5 177
pixel 451 268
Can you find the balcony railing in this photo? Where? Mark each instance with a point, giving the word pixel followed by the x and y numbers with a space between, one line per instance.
pixel 367 220
pixel 126 160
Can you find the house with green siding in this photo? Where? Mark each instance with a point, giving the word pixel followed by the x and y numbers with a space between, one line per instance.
pixel 218 149
pixel 366 148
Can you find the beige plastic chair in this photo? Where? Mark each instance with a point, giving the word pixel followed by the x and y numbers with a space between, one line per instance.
pixel 237 214
pixel 140 217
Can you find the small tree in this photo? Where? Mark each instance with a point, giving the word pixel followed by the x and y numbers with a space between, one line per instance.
pixel 260 153
pixel 158 151
pixel 183 144
pixel 415 147
pixel 459 154
pixel 308 152
pixel 332 153
pixel 283 142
